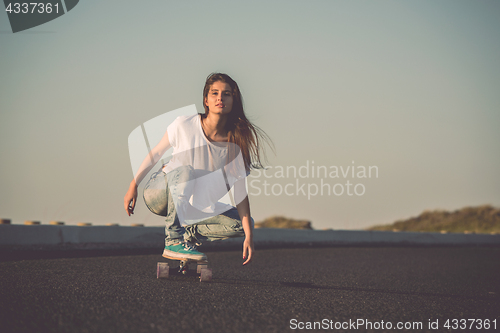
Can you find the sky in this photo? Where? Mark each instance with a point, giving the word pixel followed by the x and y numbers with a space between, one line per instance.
pixel 408 88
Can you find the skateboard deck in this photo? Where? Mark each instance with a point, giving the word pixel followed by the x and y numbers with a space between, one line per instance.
pixel 164 270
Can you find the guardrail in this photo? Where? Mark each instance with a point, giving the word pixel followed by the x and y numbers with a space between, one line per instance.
pixel 114 236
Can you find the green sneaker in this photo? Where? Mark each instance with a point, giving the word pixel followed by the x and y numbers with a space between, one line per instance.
pixel 183 250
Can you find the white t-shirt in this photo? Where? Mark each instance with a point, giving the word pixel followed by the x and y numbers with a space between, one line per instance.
pixel 216 165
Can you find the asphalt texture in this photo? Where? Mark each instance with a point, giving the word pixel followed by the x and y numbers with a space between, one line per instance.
pixel 280 290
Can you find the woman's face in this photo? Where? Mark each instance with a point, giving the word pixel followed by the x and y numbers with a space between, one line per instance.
pixel 220 98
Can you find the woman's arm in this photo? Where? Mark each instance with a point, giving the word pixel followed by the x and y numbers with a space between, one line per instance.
pixel 149 162
pixel 243 208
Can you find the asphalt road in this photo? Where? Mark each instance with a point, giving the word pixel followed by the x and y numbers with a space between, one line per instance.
pixel 282 289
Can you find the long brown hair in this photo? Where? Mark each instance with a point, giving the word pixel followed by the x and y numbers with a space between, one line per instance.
pixel 240 130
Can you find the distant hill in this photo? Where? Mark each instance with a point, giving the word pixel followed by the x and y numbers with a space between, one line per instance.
pixel 482 219
pixel 283 222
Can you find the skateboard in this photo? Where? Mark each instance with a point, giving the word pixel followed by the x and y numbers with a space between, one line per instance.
pixel 164 271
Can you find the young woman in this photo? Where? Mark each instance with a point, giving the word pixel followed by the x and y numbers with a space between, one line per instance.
pixel 221 145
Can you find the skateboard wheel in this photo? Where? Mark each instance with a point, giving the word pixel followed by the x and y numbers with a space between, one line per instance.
pixel 206 275
pixel 199 267
pixel 162 270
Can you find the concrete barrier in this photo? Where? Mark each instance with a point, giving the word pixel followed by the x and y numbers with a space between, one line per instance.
pixel 80 236
pixel 362 237
pixel 100 237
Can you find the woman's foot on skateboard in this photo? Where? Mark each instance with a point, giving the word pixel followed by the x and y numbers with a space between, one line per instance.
pixel 185 250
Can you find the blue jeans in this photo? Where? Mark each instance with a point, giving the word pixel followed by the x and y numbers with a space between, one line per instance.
pixel 179 188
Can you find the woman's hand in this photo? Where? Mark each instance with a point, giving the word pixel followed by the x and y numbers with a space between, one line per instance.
pixel 248 250
pixel 130 199
pixel 247 223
